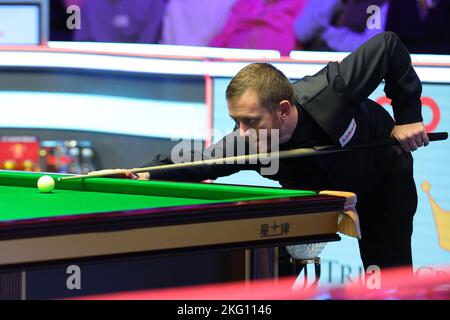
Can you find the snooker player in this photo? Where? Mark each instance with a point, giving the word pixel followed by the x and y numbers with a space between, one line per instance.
pixel 332 107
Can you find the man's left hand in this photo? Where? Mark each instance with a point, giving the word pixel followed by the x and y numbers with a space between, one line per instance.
pixel 411 136
pixel 137 176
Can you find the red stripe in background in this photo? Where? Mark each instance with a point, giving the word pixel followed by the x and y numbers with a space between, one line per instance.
pixel 426 101
pixel 209 113
pixel 209 109
pixel 396 284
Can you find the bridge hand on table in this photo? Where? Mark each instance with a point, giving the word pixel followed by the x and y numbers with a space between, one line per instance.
pixel 138 176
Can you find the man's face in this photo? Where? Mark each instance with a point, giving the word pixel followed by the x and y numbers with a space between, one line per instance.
pixel 251 117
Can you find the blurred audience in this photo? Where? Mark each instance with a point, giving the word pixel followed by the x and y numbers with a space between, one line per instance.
pixel 58 19
pixel 260 24
pixel 121 21
pixel 194 22
pixel 335 25
pixel 338 25
pixel 423 25
pixel 68 3
pixel 283 25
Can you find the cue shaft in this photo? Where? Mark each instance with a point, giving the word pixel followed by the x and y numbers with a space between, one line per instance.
pixel 294 153
pixel 234 159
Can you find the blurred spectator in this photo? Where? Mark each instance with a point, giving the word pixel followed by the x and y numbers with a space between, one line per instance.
pixel 121 21
pixel 194 22
pixel 68 3
pixel 423 25
pixel 336 25
pixel 58 19
pixel 260 24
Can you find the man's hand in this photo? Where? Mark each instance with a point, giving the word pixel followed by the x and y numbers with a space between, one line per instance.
pixel 410 136
pixel 138 176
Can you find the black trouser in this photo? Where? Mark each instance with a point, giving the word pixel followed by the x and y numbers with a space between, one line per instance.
pixel 386 218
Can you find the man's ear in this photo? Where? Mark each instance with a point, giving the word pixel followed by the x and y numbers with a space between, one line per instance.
pixel 284 109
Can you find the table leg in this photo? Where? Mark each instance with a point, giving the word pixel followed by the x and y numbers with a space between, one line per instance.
pixel 261 263
pixel 13 286
pixel 300 265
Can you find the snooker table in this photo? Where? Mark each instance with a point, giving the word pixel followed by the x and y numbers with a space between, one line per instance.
pixel 105 218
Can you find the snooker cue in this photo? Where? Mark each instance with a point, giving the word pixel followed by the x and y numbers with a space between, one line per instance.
pixel 294 153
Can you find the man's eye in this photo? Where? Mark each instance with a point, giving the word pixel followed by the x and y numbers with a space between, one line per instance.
pixel 246 121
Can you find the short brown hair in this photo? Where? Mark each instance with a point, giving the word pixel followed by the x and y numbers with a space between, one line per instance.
pixel 269 83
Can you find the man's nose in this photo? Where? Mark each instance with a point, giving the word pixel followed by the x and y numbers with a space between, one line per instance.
pixel 243 130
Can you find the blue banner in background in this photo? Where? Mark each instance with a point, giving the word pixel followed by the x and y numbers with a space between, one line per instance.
pixel 341 262
pixel 431 238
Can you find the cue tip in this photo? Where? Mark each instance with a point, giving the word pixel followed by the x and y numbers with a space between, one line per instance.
pixel 72 177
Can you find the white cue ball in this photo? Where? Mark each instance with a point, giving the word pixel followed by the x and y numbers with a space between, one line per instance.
pixel 46 184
